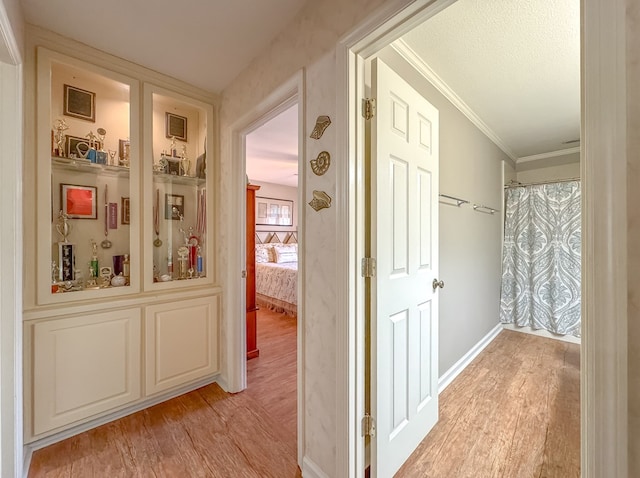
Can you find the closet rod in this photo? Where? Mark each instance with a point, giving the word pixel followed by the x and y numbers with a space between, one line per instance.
pixel 551 181
pixel 459 201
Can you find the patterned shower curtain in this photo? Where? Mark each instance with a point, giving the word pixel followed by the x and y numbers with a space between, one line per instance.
pixel 541 258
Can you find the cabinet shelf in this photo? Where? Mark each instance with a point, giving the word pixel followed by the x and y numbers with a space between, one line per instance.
pixel 84 165
pixel 159 177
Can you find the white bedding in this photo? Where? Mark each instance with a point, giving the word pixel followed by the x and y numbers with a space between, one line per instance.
pixel 279 282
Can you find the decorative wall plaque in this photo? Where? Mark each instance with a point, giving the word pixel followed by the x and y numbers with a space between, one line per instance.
pixel 320 200
pixel 322 123
pixel 321 164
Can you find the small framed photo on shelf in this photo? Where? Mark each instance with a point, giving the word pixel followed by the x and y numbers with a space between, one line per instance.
pixel 79 103
pixel 78 202
pixel 176 126
pixel 124 152
pixel 173 206
pixel 76 147
pixel 126 211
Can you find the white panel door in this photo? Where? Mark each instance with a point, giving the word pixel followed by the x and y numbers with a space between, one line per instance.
pixel 404 241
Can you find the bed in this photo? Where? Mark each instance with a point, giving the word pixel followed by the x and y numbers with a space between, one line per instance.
pixel 277 274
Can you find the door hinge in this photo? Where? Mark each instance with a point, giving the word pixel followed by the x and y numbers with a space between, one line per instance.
pixel 368 426
pixel 368 267
pixel 368 108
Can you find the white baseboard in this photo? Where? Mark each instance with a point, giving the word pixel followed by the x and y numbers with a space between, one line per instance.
pixel 542 333
pixel 311 470
pixel 83 427
pixel 460 365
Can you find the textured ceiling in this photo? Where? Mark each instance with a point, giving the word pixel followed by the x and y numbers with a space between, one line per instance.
pixel 515 63
pixel 206 43
pixel 272 150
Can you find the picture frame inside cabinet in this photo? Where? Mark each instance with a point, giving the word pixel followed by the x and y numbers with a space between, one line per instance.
pixel 79 103
pixel 175 126
pixel 79 202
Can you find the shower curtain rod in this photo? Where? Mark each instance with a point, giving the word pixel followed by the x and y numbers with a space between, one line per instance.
pixel 517 184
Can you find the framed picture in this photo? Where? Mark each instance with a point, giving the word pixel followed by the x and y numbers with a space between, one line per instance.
pixel 176 126
pixel 274 212
pixel 173 206
pixel 126 211
pixel 124 147
pixel 79 103
pixel 76 147
pixel 78 202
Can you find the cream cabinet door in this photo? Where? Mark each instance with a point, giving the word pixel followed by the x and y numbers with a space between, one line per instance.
pixel 83 366
pixel 181 342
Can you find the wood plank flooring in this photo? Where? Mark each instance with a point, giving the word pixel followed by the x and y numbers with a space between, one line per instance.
pixel 205 433
pixel 513 413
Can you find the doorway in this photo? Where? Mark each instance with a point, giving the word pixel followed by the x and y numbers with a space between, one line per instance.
pixel 271 163
pixel 596 158
pixel 290 93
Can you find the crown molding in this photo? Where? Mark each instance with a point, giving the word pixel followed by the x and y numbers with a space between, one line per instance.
pixel 406 52
pixel 550 154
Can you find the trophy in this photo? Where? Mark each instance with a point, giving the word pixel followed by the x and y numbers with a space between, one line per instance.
pixel 93 142
pixel 112 157
pixel 60 126
pixel 185 164
pixel 66 250
pixel 101 154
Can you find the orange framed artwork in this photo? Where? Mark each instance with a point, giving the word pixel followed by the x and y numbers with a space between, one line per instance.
pixel 78 202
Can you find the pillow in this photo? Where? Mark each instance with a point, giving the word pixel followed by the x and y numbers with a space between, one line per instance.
pixel 286 253
pixel 263 253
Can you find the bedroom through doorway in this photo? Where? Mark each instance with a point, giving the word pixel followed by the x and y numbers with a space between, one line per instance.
pixel 271 162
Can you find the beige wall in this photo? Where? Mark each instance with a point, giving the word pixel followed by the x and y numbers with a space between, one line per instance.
pixel 308 43
pixel 564 171
pixel 470 241
pixel 633 251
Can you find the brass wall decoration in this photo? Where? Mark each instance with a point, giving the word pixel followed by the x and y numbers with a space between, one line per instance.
pixel 322 123
pixel 320 200
pixel 321 164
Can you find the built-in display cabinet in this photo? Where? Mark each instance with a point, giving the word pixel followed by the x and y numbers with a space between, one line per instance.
pixel 122 305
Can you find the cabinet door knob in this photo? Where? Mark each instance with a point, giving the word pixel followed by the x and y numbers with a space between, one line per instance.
pixel 244 274
pixel 437 283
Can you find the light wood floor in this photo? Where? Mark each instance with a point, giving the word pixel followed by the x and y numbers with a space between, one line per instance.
pixel 205 433
pixel 513 413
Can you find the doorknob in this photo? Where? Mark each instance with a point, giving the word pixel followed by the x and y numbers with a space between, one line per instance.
pixel 437 283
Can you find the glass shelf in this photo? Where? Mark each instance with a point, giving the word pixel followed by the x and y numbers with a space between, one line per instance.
pixel 84 165
pixel 159 177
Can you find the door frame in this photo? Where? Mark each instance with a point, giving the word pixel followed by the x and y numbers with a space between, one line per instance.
pixel 13 455
pixel 603 371
pixel 288 94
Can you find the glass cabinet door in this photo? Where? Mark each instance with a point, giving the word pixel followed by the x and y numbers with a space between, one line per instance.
pixel 177 241
pixel 84 218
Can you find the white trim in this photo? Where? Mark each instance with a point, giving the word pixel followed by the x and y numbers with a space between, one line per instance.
pixel 289 93
pixel 542 333
pixel 11 251
pixel 439 84
pixel 604 394
pixel 7 37
pixel 311 470
pixel 449 376
pixel 550 154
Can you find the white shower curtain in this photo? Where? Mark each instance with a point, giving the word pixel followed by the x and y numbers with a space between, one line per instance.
pixel 541 258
